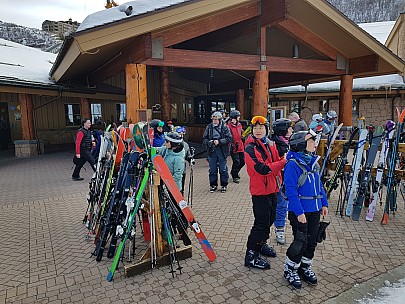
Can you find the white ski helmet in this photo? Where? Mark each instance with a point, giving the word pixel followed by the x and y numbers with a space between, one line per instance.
pixel 331 114
pixel 317 117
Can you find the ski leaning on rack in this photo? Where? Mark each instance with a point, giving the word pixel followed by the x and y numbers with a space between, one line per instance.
pixel 167 178
pixel 326 158
pixel 375 140
pixel 392 160
pixel 356 170
pixel 389 134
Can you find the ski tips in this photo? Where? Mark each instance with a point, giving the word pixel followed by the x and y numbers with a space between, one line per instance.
pixel 401 115
pixel 110 276
pixel 384 220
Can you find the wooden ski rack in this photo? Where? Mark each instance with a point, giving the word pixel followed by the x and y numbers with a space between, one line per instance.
pixel 163 259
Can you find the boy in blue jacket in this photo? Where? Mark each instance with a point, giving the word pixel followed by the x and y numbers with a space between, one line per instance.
pixel 306 203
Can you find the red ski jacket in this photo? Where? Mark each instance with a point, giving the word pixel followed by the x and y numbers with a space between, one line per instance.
pixel 263 165
pixel 237 143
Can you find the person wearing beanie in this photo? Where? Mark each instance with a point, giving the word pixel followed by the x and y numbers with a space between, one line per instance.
pixel 263 165
pixel 306 203
pixel 217 138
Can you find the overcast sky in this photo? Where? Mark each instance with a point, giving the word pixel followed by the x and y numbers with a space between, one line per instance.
pixel 32 13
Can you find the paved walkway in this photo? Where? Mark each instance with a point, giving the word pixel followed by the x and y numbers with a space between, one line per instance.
pixel 45 257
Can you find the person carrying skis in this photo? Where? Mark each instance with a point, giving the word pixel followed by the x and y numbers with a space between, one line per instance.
pixel 217 138
pixel 83 149
pixel 306 203
pixel 237 155
pixel 282 130
pixel 263 165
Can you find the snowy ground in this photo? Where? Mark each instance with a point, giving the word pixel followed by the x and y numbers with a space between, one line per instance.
pixel 391 294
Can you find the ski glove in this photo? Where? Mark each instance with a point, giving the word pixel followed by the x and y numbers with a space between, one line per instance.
pixel 322 231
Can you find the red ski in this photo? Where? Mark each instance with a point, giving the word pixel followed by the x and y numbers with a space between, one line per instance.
pixel 167 178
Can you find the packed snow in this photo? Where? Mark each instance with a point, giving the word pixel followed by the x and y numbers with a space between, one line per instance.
pixel 21 62
pixel 117 13
pixel 394 294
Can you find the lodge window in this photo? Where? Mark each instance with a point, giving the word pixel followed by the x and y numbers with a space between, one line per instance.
pixel 323 106
pixel 96 113
pixel 72 115
pixel 121 111
pixel 355 107
pixel 295 107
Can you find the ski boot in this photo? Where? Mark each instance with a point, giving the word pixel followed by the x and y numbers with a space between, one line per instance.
pixel 290 273
pixel 253 259
pixel 306 273
pixel 280 237
pixel 268 251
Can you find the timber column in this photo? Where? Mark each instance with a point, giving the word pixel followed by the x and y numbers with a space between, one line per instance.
pixel 260 93
pixel 28 146
pixel 85 111
pixel 346 100
pixel 136 96
pixel 240 102
pixel 165 92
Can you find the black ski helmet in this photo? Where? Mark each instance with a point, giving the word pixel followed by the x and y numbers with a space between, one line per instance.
pixel 297 141
pixel 176 141
pixel 281 125
pixel 234 114
pixel 154 123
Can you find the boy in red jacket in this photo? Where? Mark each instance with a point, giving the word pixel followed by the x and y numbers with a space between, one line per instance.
pixel 264 166
pixel 238 159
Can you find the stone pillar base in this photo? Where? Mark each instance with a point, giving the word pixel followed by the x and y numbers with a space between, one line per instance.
pixel 28 148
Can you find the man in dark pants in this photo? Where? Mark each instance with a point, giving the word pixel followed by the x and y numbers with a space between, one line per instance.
pixel 83 149
pixel 217 138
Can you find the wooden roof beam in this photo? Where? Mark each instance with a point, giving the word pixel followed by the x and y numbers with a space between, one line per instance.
pixel 273 12
pixel 363 64
pixel 205 25
pixel 308 38
pixel 137 51
pixel 231 61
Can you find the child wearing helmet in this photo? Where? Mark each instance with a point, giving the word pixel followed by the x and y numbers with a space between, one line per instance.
pixel 306 203
pixel 158 135
pixel 238 159
pixel 188 153
pixel 330 122
pixel 282 130
pixel 263 165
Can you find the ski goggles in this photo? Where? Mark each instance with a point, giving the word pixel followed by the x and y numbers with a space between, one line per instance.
pixel 259 120
pixel 311 135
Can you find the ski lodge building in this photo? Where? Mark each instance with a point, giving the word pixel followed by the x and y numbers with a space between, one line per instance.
pixel 182 59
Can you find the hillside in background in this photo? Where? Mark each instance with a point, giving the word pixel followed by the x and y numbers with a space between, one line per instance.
pixel 364 11
pixel 29 36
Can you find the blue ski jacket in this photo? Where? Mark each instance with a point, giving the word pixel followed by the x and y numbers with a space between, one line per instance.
pixel 302 199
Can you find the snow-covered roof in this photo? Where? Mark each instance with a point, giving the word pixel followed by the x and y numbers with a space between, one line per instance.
pixel 19 62
pixel 385 82
pixel 379 30
pixel 139 7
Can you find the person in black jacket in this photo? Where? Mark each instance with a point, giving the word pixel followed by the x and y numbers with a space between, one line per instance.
pixel 83 149
pixel 217 138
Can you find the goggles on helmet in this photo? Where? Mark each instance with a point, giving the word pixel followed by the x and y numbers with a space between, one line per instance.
pixel 259 120
pixel 161 124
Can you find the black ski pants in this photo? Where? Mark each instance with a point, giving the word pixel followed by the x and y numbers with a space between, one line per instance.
pixel 238 161
pixel 304 242
pixel 264 212
pixel 84 156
